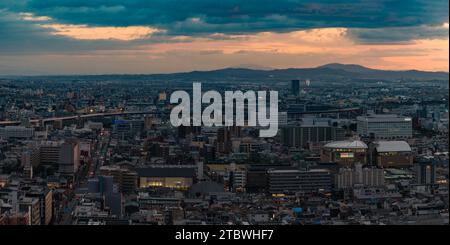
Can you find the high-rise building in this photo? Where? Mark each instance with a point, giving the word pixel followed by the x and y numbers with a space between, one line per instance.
pixel 29 161
pixel 31 206
pixel 237 177
pixel 384 126
pixel 359 176
pixel 295 87
pixel 69 158
pixel 425 172
pixel 127 181
pixel 45 197
pixel 49 152
pixel 224 140
pixel 64 155
pixel 310 132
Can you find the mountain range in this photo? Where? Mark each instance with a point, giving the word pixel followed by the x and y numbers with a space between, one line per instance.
pixel 251 73
pixel 325 72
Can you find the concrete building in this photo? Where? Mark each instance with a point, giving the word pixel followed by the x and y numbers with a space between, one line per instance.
pixel 257 179
pixel 64 155
pixel 295 87
pixel 390 154
pixel 101 184
pixel 384 126
pixel 49 152
pixel 126 180
pixel 45 197
pixel 166 177
pixel 358 176
pixel 425 172
pixel 282 118
pixel 31 206
pixel 29 161
pixel 310 132
pixel 345 153
pixel 237 178
pixel 16 132
pixel 128 128
pixel 69 158
pixel 293 181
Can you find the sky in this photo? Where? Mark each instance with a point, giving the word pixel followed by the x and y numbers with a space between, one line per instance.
pixel 49 37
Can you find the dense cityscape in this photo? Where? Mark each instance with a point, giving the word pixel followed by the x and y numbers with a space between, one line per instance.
pixel 230 120
pixel 100 150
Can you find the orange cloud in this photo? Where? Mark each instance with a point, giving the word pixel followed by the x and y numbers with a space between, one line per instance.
pixel 330 44
pixel 84 32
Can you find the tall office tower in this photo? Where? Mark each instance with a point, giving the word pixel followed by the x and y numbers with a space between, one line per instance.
pixel 127 181
pixel 69 158
pixel 224 140
pixel 29 160
pixel 425 172
pixel 295 87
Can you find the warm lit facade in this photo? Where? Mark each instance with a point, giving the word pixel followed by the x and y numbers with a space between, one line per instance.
pixel 345 153
pixel 174 178
pixel 167 182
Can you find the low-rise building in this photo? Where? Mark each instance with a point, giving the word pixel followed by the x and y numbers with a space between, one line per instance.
pixel 345 153
pixel 293 181
pixel 389 154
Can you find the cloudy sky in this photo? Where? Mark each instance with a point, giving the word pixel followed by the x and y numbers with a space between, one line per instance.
pixel 161 36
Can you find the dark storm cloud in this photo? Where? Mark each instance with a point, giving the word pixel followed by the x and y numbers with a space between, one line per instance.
pixel 383 21
pixel 22 37
pixel 197 17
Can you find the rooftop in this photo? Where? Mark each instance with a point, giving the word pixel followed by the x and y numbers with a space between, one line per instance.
pixel 349 144
pixel 392 146
pixel 383 118
pixel 166 172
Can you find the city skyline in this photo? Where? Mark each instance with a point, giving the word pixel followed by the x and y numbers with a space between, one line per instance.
pixel 115 37
pixel 253 115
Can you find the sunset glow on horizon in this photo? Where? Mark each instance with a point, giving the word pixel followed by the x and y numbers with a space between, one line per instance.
pixel 79 41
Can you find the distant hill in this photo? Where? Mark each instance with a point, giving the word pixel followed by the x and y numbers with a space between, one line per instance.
pixel 333 72
pixel 329 71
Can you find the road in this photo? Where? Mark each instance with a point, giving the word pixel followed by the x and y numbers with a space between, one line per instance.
pixel 83 116
pixel 91 169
